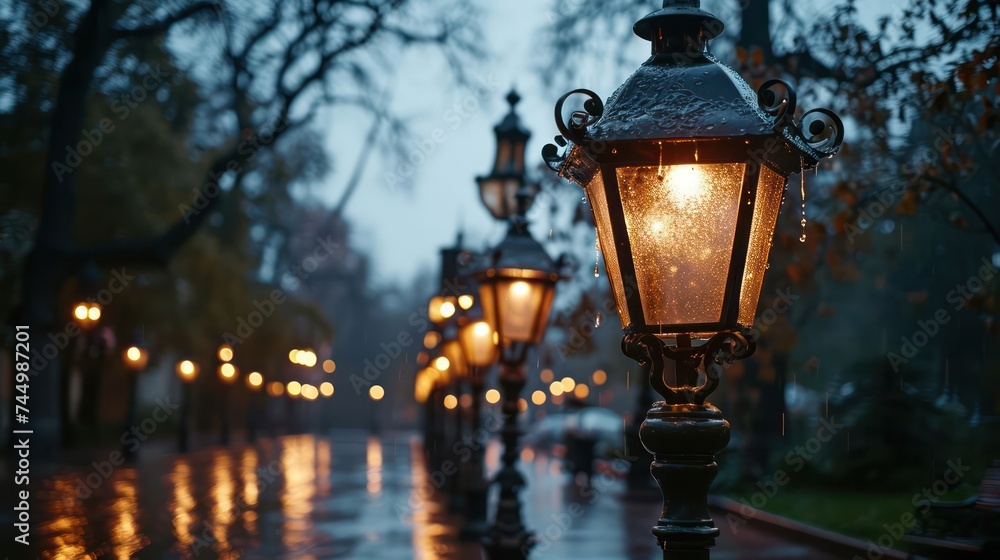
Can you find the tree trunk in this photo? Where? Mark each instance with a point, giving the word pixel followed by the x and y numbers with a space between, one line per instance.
pixel 755 30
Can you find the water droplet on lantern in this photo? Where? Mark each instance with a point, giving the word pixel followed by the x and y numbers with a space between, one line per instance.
pixel 802 192
pixel 597 256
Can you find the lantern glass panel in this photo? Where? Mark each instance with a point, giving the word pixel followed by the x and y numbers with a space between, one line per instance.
pixel 768 203
pixel 681 223
pixel 599 206
pixel 499 195
pixel 522 307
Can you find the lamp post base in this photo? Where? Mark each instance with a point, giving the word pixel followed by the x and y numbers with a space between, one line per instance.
pixel 683 432
pixel 684 439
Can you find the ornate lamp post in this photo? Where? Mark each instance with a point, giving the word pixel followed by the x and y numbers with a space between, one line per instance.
pixel 187 372
pixel 684 170
pixel 499 189
pixel 480 347
pixel 516 288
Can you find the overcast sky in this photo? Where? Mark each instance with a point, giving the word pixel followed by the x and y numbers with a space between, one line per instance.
pixel 402 230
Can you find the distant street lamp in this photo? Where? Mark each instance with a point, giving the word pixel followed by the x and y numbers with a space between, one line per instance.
pixel 255 380
pixel 500 188
pixel 516 287
pixel 135 358
pixel 187 372
pixel 684 170
pixel 87 314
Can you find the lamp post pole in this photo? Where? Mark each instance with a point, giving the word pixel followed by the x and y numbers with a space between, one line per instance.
pixel 477 489
pixel 508 538
pixel 182 428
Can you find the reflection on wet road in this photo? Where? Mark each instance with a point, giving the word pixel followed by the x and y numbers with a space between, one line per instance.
pixel 342 495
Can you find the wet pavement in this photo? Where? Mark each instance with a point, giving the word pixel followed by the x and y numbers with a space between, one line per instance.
pixel 346 494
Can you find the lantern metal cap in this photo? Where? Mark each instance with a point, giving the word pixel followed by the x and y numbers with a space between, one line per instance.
pixel 520 255
pixel 683 18
pixel 511 125
pixel 675 99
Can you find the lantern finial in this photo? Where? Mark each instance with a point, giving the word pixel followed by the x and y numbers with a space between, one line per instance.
pixel 513 98
pixel 679 25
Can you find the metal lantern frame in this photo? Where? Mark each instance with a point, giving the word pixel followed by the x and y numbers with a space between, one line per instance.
pixel 701 113
pixel 518 258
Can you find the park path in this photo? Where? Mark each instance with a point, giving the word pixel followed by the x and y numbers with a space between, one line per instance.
pixel 345 494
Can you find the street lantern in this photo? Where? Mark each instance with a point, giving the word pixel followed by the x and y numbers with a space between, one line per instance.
pixel 135 358
pixel 255 380
pixel 187 371
pixel 480 343
pixel 457 365
pixel 685 169
pixel 685 179
pixel 516 289
pixel 227 373
pixel 440 309
pixel 499 189
pixel 87 314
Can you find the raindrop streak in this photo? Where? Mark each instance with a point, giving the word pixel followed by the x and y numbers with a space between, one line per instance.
pixel 802 191
pixel 660 174
pixel 597 320
pixel 597 255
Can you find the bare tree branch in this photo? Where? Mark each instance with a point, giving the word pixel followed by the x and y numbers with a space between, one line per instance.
pixel 165 24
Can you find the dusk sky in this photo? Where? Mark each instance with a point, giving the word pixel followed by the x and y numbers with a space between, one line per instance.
pixel 443 196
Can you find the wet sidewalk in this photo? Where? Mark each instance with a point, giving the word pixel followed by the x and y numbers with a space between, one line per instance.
pixel 342 495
